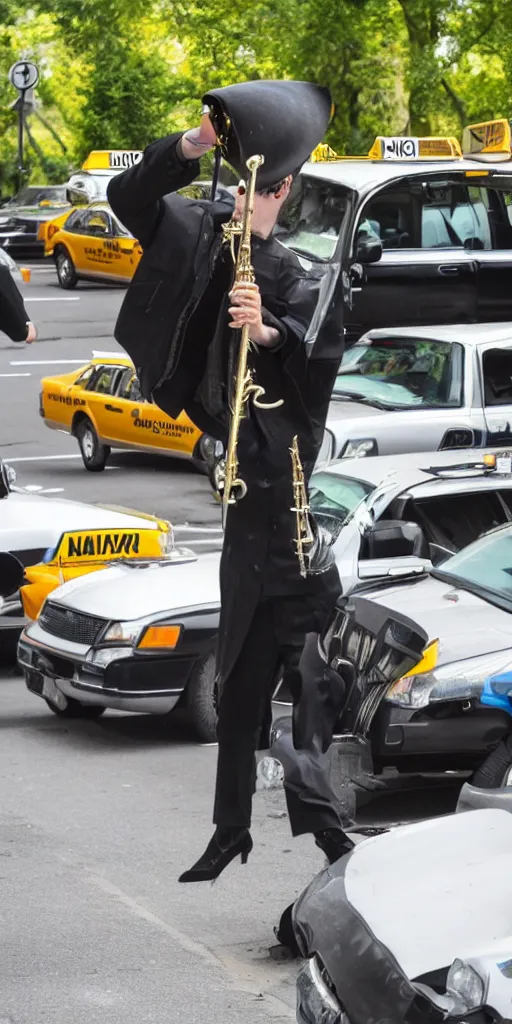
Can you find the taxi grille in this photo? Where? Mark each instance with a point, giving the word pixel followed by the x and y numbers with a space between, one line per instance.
pixel 70 625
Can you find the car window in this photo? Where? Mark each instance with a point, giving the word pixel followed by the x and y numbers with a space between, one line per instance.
pixel 402 372
pixel 96 223
pixel 436 214
pixel 32 196
pixel 310 222
pixel 455 520
pixel 487 564
pixel 336 496
pixel 85 376
pixel 105 380
pixel 497 375
pixel 75 221
pixel 129 388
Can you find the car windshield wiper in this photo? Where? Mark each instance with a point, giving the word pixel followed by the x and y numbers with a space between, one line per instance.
pixel 387 406
pixel 479 589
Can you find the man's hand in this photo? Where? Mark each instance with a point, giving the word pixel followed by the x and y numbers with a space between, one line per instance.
pixel 246 309
pixel 196 142
pixel 32 333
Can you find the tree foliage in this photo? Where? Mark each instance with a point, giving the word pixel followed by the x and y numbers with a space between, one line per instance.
pixel 120 74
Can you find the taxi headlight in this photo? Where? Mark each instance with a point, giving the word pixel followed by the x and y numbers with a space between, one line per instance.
pixel 356 448
pixel 466 985
pixel 462 680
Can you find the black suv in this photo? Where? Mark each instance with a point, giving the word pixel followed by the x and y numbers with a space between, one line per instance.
pixel 419 239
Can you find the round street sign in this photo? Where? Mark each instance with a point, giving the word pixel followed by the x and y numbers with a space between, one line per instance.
pixel 24 75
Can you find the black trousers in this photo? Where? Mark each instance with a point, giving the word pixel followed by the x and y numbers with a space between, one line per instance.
pixel 244 714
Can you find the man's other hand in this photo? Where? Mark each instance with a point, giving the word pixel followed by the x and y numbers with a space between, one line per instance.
pixel 196 142
pixel 246 309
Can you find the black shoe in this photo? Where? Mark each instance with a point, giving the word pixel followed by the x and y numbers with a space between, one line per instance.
pixel 223 847
pixel 334 843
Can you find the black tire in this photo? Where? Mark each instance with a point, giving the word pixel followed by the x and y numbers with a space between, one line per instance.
pixel 93 452
pixel 65 267
pixel 200 699
pixel 494 771
pixel 76 710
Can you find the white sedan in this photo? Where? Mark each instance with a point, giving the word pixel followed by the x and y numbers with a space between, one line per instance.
pixel 143 638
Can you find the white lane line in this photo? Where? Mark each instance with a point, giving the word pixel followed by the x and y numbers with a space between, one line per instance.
pixel 38 458
pixel 186 528
pixel 47 362
pixel 52 298
pixel 15 374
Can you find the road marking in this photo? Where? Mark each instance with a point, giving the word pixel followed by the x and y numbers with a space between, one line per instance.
pixel 15 374
pixel 47 362
pixel 52 298
pixel 186 528
pixel 39 458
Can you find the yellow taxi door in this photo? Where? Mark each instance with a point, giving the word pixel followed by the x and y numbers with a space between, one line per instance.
pixel 99 250
pixel 179 435
pixel 110 411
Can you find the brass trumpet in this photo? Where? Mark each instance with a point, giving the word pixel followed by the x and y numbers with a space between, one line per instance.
pixel 245 387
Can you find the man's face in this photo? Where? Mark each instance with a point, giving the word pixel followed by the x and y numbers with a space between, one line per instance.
pixel 266 204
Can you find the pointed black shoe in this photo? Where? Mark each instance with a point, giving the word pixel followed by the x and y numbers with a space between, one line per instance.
pixel 334 843
pixel 223 847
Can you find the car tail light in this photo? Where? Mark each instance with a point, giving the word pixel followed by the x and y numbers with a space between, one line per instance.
pixel 51 231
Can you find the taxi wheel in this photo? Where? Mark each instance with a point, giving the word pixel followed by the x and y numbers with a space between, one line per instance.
pixel 94 453
pixel 201 699
pixel 77 710
pixel 66 272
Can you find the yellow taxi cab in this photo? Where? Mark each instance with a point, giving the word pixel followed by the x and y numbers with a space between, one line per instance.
pixel 101 405
pixel 91 243
pixel 80 552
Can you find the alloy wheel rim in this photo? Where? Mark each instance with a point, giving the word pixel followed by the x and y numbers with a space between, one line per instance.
pixel 88 444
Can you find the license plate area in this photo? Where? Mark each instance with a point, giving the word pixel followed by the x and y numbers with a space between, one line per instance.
pixel 46 687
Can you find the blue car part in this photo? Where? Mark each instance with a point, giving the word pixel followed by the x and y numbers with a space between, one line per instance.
pixel 497 692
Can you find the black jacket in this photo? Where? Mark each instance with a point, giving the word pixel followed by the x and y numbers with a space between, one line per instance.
pixel 173 324
pixel 13 315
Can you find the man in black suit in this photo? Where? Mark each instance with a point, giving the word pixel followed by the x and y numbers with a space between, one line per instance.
pixel 179 324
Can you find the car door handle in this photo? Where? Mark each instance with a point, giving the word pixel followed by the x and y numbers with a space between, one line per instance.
pixel 449 270
pixel 113 408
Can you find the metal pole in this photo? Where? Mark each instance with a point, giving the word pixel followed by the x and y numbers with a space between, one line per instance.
pixel 21 115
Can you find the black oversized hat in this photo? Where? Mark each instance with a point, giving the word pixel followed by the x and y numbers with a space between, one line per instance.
pixel 284 121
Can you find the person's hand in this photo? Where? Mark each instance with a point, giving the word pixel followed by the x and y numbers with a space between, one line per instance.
pixel 198 141
pixel 246 309
pixel 32 333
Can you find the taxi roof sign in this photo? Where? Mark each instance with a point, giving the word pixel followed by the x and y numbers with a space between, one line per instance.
pixel 111 159
pixel 323 154
pixel 489 141
pixel 91 546
pixel 409 147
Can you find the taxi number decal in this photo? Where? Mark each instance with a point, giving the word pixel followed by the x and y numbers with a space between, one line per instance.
pixel 66 399
pixel 162 427
pixel 107 544
pixel 101 255
pixel 396 148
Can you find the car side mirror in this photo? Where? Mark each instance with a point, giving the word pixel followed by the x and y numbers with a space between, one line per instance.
pixel 369 250
pixel 393 538
pixel 11 574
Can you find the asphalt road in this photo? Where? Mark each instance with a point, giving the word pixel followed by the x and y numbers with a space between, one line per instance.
pixel 97 820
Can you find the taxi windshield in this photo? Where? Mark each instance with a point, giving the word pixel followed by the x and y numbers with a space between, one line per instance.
pixel 401 373
pixel 311 219
pixel 484 567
